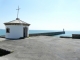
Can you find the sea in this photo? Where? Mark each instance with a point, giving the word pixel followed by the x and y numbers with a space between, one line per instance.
pixel 67 33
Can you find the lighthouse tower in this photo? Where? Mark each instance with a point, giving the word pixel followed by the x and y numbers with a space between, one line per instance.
pixel 17 28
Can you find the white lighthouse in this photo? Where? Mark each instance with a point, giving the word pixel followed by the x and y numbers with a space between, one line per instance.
pixel 17 28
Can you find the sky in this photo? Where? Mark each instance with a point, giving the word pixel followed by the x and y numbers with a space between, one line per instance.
pixel 42 14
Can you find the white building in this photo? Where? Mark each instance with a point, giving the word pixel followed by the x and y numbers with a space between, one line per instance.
pixel 16 29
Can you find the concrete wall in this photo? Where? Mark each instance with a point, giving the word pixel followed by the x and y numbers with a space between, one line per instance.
pixel 76 36
pixel 16 31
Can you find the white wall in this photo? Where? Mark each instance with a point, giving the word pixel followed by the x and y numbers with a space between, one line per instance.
pixel 16 31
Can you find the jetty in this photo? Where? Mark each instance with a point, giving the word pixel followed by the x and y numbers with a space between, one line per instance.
pixel 47 33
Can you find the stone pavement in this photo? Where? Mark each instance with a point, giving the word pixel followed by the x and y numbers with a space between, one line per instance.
pixel 42 48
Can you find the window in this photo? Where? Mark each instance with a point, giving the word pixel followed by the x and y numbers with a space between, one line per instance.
pixel 7 30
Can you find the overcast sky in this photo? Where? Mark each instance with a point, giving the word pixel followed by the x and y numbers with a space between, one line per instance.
pixel 43 14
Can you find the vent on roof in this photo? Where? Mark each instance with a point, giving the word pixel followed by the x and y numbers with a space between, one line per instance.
pixel 4 52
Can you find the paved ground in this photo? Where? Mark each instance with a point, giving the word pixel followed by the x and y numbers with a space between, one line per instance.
pixel 42 48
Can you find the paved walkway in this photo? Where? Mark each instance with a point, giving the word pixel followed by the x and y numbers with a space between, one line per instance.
pixel 42 48
pixel 2 39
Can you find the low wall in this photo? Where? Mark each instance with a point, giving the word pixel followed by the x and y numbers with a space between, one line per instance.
pixel 65 37
pixel 77 36
pixel 47 33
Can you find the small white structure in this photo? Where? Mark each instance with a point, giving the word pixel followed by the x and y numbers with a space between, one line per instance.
pixel 16 29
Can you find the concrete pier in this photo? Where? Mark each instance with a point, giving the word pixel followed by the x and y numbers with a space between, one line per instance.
pixel 41 48
pixel 47 33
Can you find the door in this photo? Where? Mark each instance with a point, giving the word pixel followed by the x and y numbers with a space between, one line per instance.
pixel 24 32
pixel 25 29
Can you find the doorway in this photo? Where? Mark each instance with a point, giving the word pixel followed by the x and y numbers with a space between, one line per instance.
pixel 25 32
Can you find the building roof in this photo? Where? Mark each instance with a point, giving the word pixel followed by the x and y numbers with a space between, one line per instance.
pixel 17 21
